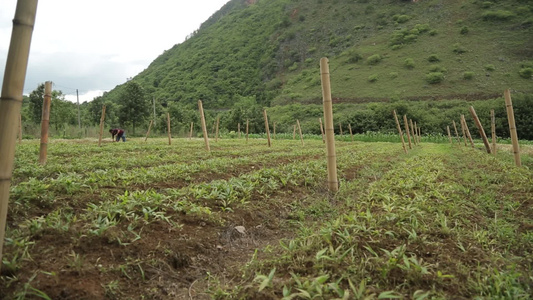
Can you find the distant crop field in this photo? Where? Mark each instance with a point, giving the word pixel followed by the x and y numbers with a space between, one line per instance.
pixel 148 220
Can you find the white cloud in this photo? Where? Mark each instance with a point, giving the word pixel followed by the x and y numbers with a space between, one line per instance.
pixel 95 45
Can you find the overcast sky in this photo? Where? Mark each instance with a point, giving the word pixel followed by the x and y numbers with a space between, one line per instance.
pixel 96 45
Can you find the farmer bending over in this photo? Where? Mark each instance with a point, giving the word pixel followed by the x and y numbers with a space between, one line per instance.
pixel 119 133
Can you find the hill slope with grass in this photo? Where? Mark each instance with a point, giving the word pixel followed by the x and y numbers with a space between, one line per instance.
pixel 377 49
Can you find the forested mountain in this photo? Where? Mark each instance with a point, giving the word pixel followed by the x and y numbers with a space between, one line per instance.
pixel 269 49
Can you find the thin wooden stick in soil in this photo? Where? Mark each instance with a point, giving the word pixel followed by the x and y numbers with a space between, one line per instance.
pixel 148 132
pixel 190 131
pixel 480 128
pixel 468 135
pixel 512 127
pixel 456 132
pixel 300 131
pixel 267 129
pixel 247 130
pixel 168 129
pixel 216 130
pixel 463 129
pixel 11 100
pixel 102 119
pixel 350 129
pixel 406 124
pixel 293 132
pixel 399 130
pixel 239 129
pixel 204 127
pixel 413 131
pixel 333 183
pixel 449 135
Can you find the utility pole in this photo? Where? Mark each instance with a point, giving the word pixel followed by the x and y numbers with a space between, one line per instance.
pixel 79 119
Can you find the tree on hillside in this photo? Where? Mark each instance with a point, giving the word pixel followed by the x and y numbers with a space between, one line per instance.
pixel 134 107
pixel 61 111
pixel 36 104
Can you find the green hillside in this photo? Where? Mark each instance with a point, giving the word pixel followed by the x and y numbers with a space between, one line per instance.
pixel 377 50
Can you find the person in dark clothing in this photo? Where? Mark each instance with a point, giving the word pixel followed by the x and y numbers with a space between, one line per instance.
pixel 119 133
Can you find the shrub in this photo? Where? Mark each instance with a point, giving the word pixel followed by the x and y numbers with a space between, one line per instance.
pixel 438 68
pixel 410 38
pixel 490 67
pixel 393 74
pixel 294 67
pixel 468 75
pixel 433 32
pixel 434 77
pixel 373 78
pixel 526 72
pixel 353 56
pixel 396 47
pixel 486 4
pixel 458 49
pixel 409 63
pixel 374 59
pixel 433 58
pixel 401 18
pixel 497 15
pixel 464 30
pixel 422 27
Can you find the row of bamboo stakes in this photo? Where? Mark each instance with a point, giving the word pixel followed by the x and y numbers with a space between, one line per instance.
pixel 491 148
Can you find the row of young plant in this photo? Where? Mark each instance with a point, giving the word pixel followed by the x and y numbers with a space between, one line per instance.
pixel 439 224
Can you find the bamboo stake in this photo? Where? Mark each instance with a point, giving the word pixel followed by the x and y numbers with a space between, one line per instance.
pixel 350 128
pixel 190 131
pixel 333 183
pixel 512 127
pixel 274 130
pixel 204 127
pixel 480 128
pixel 413 131
pixel 20 128
pixel 416 133
pixel 216 131
pixel 102 119
pixel 168 129
pixel 449 134
pixel 406 125
pixel 149 128
pixel 463 130
pixel 266 127
pixel 456 132
pixel 293 132
pixel 493 130
pixel 300 131
pixel 45 121
pixel 399 130
pixel 239 129
pixel 468 132
pixel 247 130
pixel 419 134
pixel 340 128
pixel 322 130
pixel 11 100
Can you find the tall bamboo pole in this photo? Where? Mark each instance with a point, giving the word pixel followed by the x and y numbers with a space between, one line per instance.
pixel 512 127
pixel 216 131
pixel 11 99
pixel 239 129
pixel 204 127
pixel 293 132
pixel 340 128
pixel 20 128
pixel 493 130
pixel 456 132
pixel 267 129
pixel 190 131
pixel 416 134
pixel 45 122
pixel 300 131
pixel 413 131
pixel 468 135
pixel 449 134
pixel 399 130
pixel 168 129
pixel 350 129
pixel 322 130
pixel 406 125
pixel 419 134
pixel 333 183
pixel 274 130
pixel 463 130
pixel 480 128
pixel 246 130
pixel 148 132
pixel 102 119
